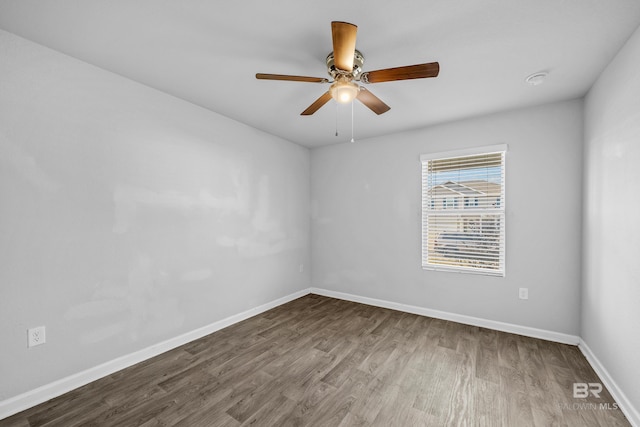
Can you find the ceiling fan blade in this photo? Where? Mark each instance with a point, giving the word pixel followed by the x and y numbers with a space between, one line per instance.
pixel 419 71
pixel 317 104
pixel 373 102
pixel 262 76
pixel 344 44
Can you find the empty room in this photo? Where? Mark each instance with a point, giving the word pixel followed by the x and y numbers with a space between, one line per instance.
pixel 415 213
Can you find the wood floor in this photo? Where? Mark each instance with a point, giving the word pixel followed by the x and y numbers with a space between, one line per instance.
pixel 318 361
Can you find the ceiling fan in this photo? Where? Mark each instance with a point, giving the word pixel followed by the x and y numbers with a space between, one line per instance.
pixel 344 65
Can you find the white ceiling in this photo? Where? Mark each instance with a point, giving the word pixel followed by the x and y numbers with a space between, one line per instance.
pixel 207 52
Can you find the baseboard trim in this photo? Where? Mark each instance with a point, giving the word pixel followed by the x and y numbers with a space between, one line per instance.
pixel 49 391
pixel 632 413
pixel 460 318
pixel 46 392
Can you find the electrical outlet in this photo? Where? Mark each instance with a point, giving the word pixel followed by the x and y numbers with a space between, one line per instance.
pixel 524 293
pixel 36 336
pixel 301 268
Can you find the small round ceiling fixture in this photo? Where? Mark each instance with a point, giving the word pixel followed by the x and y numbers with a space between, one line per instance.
pixel 536 79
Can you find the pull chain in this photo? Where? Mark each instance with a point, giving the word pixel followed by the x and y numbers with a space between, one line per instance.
pixel 352 140
pixel 336 119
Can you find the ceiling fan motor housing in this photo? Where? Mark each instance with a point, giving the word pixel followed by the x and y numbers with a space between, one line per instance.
pixel 337 74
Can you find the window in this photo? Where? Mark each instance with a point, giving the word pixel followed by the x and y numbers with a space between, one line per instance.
pixel 463 206
pixel 449 203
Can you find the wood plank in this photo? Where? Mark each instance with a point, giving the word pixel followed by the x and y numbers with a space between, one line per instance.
pixel 322 361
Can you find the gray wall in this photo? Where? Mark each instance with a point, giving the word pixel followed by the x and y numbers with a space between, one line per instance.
pixel 611 272
pixel 128 217
pixel 366 227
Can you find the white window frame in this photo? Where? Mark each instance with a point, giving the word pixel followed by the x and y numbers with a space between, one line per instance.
pixel 428 210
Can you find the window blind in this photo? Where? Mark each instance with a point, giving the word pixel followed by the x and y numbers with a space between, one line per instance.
pixel 463 211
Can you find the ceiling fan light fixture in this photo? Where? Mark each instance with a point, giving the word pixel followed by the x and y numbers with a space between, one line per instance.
pixel 344 92
pixel 344 65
